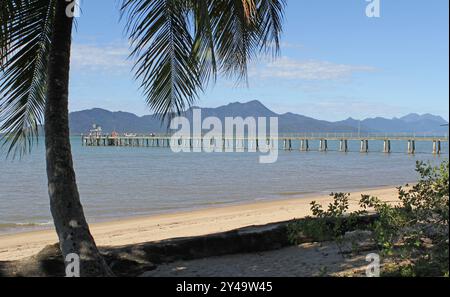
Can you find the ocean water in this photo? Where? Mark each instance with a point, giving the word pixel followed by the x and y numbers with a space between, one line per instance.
pixel 116 182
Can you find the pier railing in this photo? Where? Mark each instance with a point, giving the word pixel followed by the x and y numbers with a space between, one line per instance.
pixel 308 135
pixel 366 136
pixel 287 140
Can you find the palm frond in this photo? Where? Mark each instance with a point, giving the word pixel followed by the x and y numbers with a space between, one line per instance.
pixel 204 43
pixel 5 8
pixel 175 58
pixel 270 17
pixel 249 9
pixel 245 28
pixel 162 46
pixel 26 28
pixel 236 35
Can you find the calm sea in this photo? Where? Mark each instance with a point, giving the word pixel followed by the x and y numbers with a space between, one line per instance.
pixel 117 182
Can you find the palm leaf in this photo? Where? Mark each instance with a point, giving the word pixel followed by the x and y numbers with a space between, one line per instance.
pixel 26 28
pixel 180 44
pixel 204 43
pixel 236 35
pixel 270 17
pixel 243 29
pixel 162 46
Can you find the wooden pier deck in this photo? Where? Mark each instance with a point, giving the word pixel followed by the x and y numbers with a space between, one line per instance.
pixel 285 142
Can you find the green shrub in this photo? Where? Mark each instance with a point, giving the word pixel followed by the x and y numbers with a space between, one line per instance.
pixel 330 224
pixel 417 228
pixel 413 234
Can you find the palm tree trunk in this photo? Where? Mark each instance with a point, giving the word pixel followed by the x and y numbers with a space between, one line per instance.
pixel 67 211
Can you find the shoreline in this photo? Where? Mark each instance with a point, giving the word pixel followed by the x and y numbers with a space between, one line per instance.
pixel 193 222
pixel 24 228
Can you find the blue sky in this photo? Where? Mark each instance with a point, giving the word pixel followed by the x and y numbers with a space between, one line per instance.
pixel 335 62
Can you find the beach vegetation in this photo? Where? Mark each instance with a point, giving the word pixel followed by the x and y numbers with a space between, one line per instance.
pixel 412 234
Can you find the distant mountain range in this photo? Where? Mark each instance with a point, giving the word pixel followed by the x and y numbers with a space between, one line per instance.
pixel 82 121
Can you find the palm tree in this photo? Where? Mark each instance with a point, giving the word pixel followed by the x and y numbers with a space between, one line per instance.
pixel 178 46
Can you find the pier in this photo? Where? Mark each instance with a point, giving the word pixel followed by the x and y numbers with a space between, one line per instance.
pixel 284 142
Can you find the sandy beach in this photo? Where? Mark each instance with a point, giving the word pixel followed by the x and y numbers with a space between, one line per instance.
pixel 192 223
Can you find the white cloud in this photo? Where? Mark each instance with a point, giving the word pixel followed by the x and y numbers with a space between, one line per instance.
pixel 114 59
pixel 287 68
pixel 100 58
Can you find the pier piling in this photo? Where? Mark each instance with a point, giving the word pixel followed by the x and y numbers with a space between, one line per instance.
pixel 304 145
pixel 411 147
pixel 323 146
pixel 436 147
pixel 387 146
pixel 364 146
pixel 343 145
